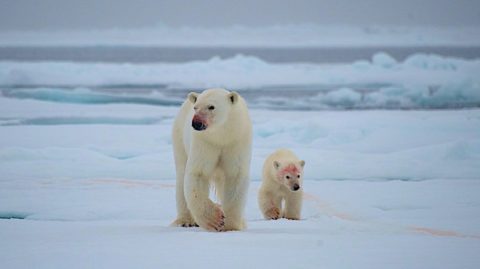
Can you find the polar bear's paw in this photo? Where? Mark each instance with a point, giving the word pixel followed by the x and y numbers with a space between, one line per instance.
pixel 272 213
pixel 213 218
pixel 184 222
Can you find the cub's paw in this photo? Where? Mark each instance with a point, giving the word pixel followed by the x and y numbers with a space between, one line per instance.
pixel 272 213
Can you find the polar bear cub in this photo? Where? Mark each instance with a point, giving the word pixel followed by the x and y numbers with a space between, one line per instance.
pixel 282 183
pixel 212 142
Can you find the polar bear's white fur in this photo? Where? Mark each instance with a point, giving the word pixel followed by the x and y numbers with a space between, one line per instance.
pixel 212 140
pixel 282 183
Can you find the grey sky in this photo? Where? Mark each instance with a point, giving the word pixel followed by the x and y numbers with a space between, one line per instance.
pixel 96 14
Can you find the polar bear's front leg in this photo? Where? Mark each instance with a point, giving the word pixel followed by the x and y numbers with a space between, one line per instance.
pixel 234 198
pixel 200 166
pixel 206 213
pixel 235 165
pixel 293 206
pixel 184 218
pixel 270 204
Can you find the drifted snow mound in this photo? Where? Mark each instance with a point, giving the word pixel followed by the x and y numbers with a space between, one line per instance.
pixel 421 81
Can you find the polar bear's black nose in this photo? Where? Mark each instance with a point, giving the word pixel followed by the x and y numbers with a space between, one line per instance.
pixel 198 125
pixel 296 187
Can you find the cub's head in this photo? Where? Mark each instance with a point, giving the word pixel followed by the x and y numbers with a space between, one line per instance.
pixel 289 174
pixel 211 107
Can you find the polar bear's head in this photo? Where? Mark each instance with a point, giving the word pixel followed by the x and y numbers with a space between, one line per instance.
pixel 289 174
pixel 212 107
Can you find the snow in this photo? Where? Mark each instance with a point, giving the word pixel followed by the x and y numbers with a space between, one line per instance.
pixel 396 189
pixel 120 223
pixel 87 171
pixel 297 35
pixel 384 60
pixel 343 145
pixel 421 81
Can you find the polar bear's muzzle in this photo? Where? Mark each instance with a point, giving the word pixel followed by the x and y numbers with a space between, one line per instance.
pixel 198 123
pixel 295 187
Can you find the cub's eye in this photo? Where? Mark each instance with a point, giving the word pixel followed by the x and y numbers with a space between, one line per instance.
pixel 211 108
pixel 288 177
pixel 195 108
pixel 298 176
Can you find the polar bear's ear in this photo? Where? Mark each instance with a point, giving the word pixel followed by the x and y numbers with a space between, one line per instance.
pixel 276 165
pixel 193 97
pixel 302 163
pixel 233 96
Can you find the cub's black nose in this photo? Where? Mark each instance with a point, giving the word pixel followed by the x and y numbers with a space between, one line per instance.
pixel 198 125
pixel 296 187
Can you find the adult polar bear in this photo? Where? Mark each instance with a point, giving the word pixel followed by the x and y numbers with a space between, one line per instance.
pixel 212 142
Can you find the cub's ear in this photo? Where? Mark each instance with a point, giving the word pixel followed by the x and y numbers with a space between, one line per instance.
pixel 302 163
pixel 192 97
pixel 233 96
pixel 276 165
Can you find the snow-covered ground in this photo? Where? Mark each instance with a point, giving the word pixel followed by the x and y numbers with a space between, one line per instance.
pixel 123 223
pixel 87 172
pixel 91 186
pixel 133 141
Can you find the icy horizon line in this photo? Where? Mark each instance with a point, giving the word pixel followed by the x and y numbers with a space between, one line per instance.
pixel 162 25
pixel 280 35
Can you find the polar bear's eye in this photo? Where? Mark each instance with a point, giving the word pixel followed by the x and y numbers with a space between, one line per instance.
pixel 211 108
pixel 288 177
pixel 298 176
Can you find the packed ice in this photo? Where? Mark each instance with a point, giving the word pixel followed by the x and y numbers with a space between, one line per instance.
pixel 420 81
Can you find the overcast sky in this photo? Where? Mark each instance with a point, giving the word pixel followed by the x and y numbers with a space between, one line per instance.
pixel 97 14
